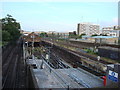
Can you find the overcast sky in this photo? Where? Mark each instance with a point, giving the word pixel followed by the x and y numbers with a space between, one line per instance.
pixel 60 16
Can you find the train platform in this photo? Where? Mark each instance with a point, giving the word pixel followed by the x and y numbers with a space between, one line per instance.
pixel 82 77
pixel 44 79
pixel 48 77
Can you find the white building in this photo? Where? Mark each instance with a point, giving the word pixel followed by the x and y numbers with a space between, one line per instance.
pixel 88 29
pixel 111 31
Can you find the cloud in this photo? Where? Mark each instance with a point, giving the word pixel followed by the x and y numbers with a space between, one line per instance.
pixel 59 0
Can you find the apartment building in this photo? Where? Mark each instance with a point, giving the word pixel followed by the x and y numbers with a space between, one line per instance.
pixel 111 31
pixel 88 29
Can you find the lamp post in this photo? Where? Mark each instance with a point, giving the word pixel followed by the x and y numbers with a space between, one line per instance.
pixel 98 58
pixel 32 45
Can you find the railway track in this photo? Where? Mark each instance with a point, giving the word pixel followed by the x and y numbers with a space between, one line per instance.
pixel 80 44
pixel 54 61
pixel 57 61
pixel 6 51
pixel 89 56
pixel 7 67
pixel 93 57
pixel 74 58
pixel 11 67
pixel 75 62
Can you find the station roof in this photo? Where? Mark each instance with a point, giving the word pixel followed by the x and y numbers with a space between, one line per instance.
pixel 86 36
pixel 104 37
pixel 29 37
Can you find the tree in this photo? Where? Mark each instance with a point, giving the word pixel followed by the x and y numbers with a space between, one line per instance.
pixel 6 36
pixel 82 35
pixel 73 34
pixel 94 35
pixel 103 34
pixel 10 28
pixel 43 34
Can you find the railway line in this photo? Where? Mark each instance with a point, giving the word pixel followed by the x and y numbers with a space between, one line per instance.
pixel 80 44
pixel 75 62
pixel 76 45
pixel 11 67
pixel 57 61
pixel 6 52
pixel 8 69
pixel 74 58
pixel 58 56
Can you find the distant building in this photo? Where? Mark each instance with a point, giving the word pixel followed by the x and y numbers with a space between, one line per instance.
pixel 111 31
pixel 62 34
pixel 88 29
pixel 105 39
pixel 26 33
pixel 117 27
pixel 32 36
pixel 58 34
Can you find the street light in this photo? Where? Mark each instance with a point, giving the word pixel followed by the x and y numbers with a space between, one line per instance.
pixel 98 58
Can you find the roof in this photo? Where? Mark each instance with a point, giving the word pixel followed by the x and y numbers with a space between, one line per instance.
pixel 104 37
pixel 88 23
pixel 85 36
pixel 30 36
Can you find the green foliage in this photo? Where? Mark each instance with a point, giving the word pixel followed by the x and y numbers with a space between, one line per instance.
pixel 73 35
pixel 6 36
pixel 10 28
pixel 90 51
pixel 103 35
pixel 82 35
pixel 94 35
pixel 43 34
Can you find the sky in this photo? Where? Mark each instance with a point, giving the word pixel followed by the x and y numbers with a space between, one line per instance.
pixel 60 16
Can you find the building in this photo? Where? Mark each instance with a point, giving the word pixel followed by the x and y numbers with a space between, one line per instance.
pixel 105 39
pixel 117 27
pixel 26 33
pixel 32 37
pixel 111 31
pixel 58 34
pixel 101 39
pixel 88 29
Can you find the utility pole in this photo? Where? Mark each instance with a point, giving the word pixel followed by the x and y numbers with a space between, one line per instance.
pixel 32 46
